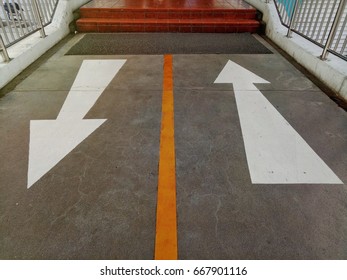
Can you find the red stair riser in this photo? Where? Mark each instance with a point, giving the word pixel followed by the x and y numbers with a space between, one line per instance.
pixel 151 13
pixel 168 27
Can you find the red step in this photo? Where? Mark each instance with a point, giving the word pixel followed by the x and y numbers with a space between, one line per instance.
pixel 230 16
pixel 210 25
pixel 166 13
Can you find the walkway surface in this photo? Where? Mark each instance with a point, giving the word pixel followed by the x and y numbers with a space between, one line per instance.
pixel 258 170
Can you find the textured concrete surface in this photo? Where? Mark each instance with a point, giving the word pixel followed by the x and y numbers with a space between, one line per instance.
pixel 221 214
pixel 99 202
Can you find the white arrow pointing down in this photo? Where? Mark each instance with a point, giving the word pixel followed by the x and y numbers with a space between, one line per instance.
pixel 52 140
pixel 276 153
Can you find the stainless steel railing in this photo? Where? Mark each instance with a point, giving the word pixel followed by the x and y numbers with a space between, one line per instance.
pixel 324 22
pixel 20 18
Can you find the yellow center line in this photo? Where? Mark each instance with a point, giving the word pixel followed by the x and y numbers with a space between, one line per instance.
pixel 166 227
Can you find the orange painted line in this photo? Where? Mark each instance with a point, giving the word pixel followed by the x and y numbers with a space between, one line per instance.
pixel 166 227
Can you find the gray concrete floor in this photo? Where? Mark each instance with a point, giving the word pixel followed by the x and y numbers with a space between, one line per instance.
pixel 99 202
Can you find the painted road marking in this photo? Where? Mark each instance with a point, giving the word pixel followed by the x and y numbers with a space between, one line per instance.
pixel 276 153
pixel 52 140
pixel 166 225
pixel 92 79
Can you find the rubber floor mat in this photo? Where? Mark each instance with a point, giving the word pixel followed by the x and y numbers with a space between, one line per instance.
pixel 164 43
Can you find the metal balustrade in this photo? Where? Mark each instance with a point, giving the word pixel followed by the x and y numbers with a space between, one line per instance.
pixel 21 18
pixel 324 22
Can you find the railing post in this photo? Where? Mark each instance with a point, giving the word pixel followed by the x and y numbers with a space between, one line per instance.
pixel 4 50
pixel 292 19
pixel 333 29
pixel 38 18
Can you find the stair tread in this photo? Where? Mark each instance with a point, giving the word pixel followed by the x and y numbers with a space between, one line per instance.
pixel 167 13
pixel 149 9
pixel 178 21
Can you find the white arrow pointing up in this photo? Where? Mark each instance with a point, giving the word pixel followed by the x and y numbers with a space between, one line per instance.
pixel 52 140
pixel 276 153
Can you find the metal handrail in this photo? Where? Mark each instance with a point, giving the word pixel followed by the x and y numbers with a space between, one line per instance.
pixel 323 22
pixel 21 18
pixel 333 30
pixel 292 19
pixel 38 18
pixel 4 50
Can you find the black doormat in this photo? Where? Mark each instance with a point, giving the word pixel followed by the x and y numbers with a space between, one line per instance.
pixel 167 43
